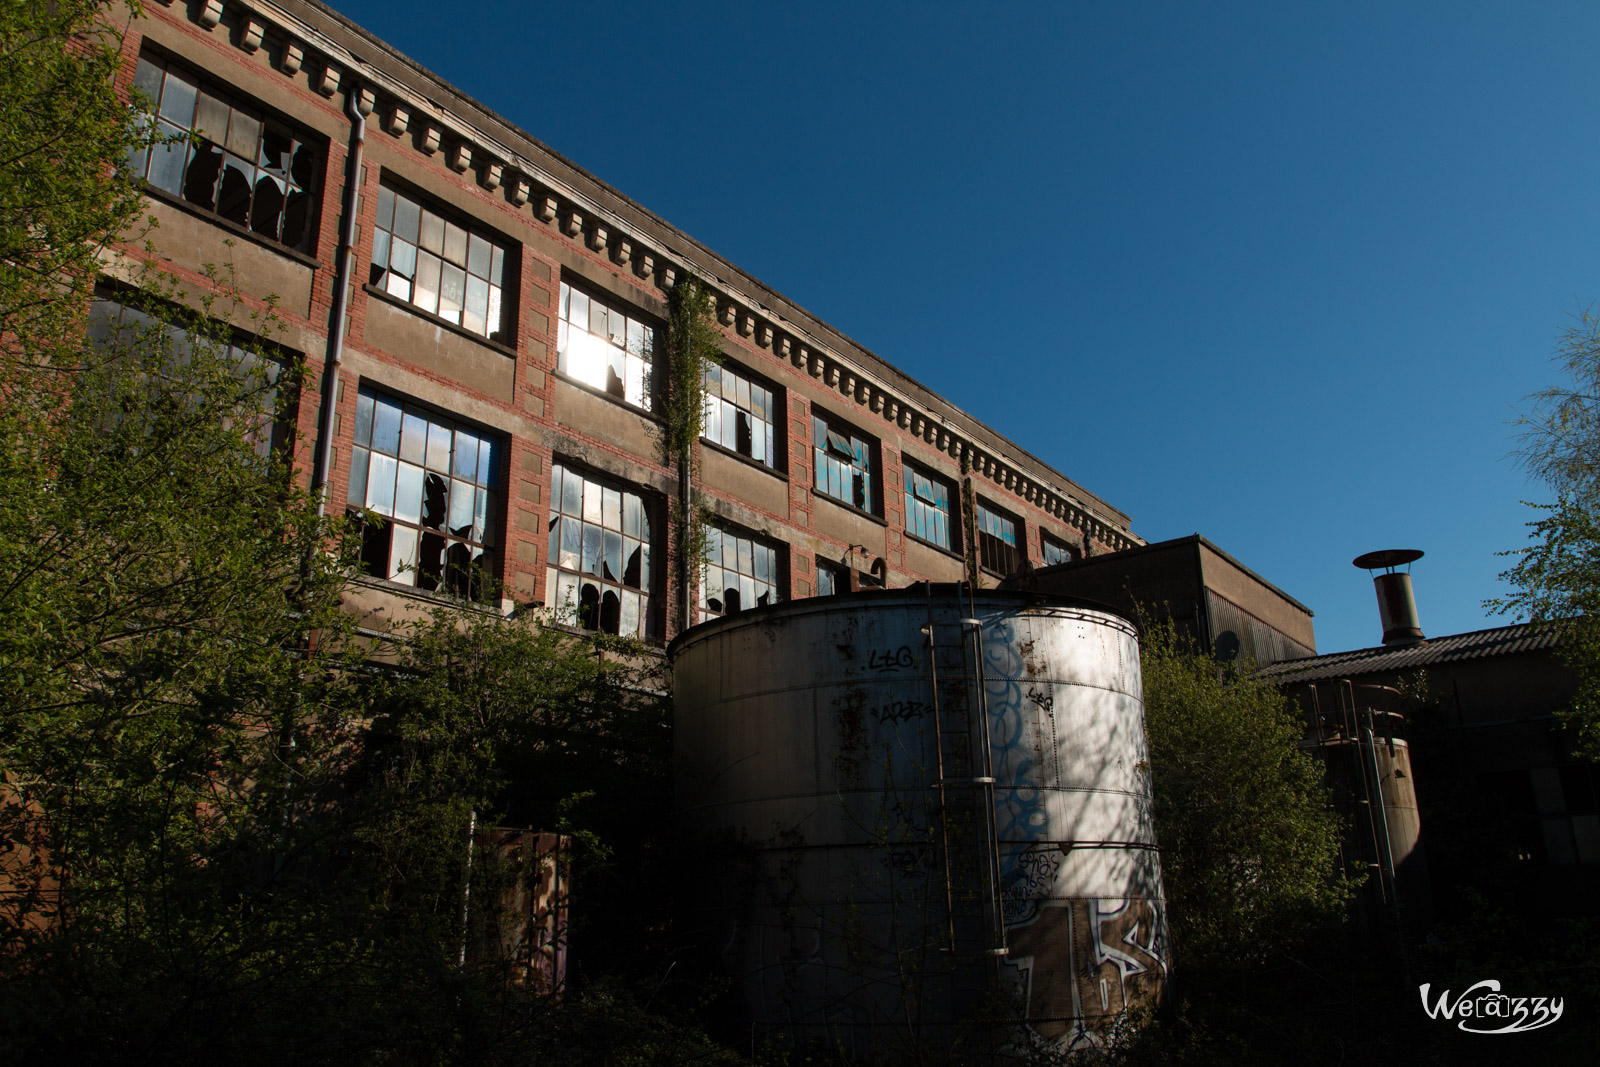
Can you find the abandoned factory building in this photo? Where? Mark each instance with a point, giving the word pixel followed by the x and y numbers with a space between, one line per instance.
pixel 496 320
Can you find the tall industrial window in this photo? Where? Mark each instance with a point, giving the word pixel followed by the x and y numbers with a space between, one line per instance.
pixel 114 326
pixel 444 266
pixel 599 574
pixel 927 508
pixel 843 462
pixel 740 414
pixel 998 546
pixel 740 572
pixel 605 347
pixel 1056 551
pixel 434 482
pixel 247 166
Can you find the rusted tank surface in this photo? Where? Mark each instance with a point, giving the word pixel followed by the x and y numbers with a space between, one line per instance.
pixel 920 820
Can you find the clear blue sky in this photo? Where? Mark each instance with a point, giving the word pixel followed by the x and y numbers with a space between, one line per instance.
pixel 1280 274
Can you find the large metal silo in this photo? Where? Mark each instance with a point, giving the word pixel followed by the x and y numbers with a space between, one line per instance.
pixel 919 818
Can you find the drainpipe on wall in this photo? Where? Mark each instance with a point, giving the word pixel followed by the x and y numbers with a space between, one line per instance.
pixel 323 472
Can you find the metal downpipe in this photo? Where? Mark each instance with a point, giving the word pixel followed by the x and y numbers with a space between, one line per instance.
pixel 323 472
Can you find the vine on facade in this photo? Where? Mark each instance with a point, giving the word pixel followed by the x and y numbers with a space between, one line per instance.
pixel 693 345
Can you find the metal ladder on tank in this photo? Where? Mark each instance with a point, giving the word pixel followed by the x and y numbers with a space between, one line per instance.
pixel 965 777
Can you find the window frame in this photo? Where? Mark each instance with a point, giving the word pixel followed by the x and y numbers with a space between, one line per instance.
pixel 503 257
pixel 718 406
pixel 717 538
pixel 142 161
pixel 277 391
pixel 651 342
pixel 823 449
pixel 1019 531
pixel 1070 552
pixel 567 513
pixel 952 513
pixel 471 579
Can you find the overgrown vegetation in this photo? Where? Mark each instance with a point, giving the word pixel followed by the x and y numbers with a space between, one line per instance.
pixel 1249 844
pixel 693 347
pixel 1556 577
pixel 230 827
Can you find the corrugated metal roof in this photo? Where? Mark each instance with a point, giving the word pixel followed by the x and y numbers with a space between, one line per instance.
pixel 1479 644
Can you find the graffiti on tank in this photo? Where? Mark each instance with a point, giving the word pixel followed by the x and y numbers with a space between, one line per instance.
pixel 1019 800
pixel 1036 867
pixel 1041 698
pixel 1083 962
pixel 891 659
pixel 899 711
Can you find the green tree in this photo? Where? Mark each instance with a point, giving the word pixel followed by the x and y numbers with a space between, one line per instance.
pixel 63 129
pixel 1249 845
pixel 229 826
pixel 162 579
pixel 1250 862
pixel 1556 576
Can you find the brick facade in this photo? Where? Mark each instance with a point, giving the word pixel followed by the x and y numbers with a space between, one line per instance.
pixel 298 62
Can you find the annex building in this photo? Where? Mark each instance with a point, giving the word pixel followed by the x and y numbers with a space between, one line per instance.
pixel 492 322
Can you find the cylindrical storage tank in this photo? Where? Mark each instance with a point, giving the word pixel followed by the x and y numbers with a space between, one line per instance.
pixel 918 820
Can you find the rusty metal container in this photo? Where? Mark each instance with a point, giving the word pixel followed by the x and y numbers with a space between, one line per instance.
pixel 918 820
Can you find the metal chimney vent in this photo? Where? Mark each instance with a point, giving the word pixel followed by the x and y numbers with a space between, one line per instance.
pixel 1397 607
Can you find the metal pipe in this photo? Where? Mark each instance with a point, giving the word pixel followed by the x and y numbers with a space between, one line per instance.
pixel 323 472
pixel 466 886
pixel 944 798
pixel 997 919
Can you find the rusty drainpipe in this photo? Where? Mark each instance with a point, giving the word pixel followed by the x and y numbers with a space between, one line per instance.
pixel 323 473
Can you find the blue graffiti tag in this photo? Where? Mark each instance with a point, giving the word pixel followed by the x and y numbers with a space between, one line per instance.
pixel 1020 813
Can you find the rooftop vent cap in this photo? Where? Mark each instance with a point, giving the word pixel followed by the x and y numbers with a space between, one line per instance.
pixel 1397 606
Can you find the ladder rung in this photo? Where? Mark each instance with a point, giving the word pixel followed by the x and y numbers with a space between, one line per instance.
pixel 965 781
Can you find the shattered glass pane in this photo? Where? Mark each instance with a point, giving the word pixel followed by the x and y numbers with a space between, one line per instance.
pixel 233 201
pixel 200 180
pixel 275 145
pixel 297 221
pixel 267 209
pixel 303 166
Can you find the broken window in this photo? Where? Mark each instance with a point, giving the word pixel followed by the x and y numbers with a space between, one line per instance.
pixel 927 507
pixel 1055 551
pixel 433 482
pixel 739 573
pixel 831 579
pixel 998 546
pixel 603 346
pixel 600 575
pixel 158 354
pixel 843 464
pixel 741 414
pixel 444 266
pixel 241 164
